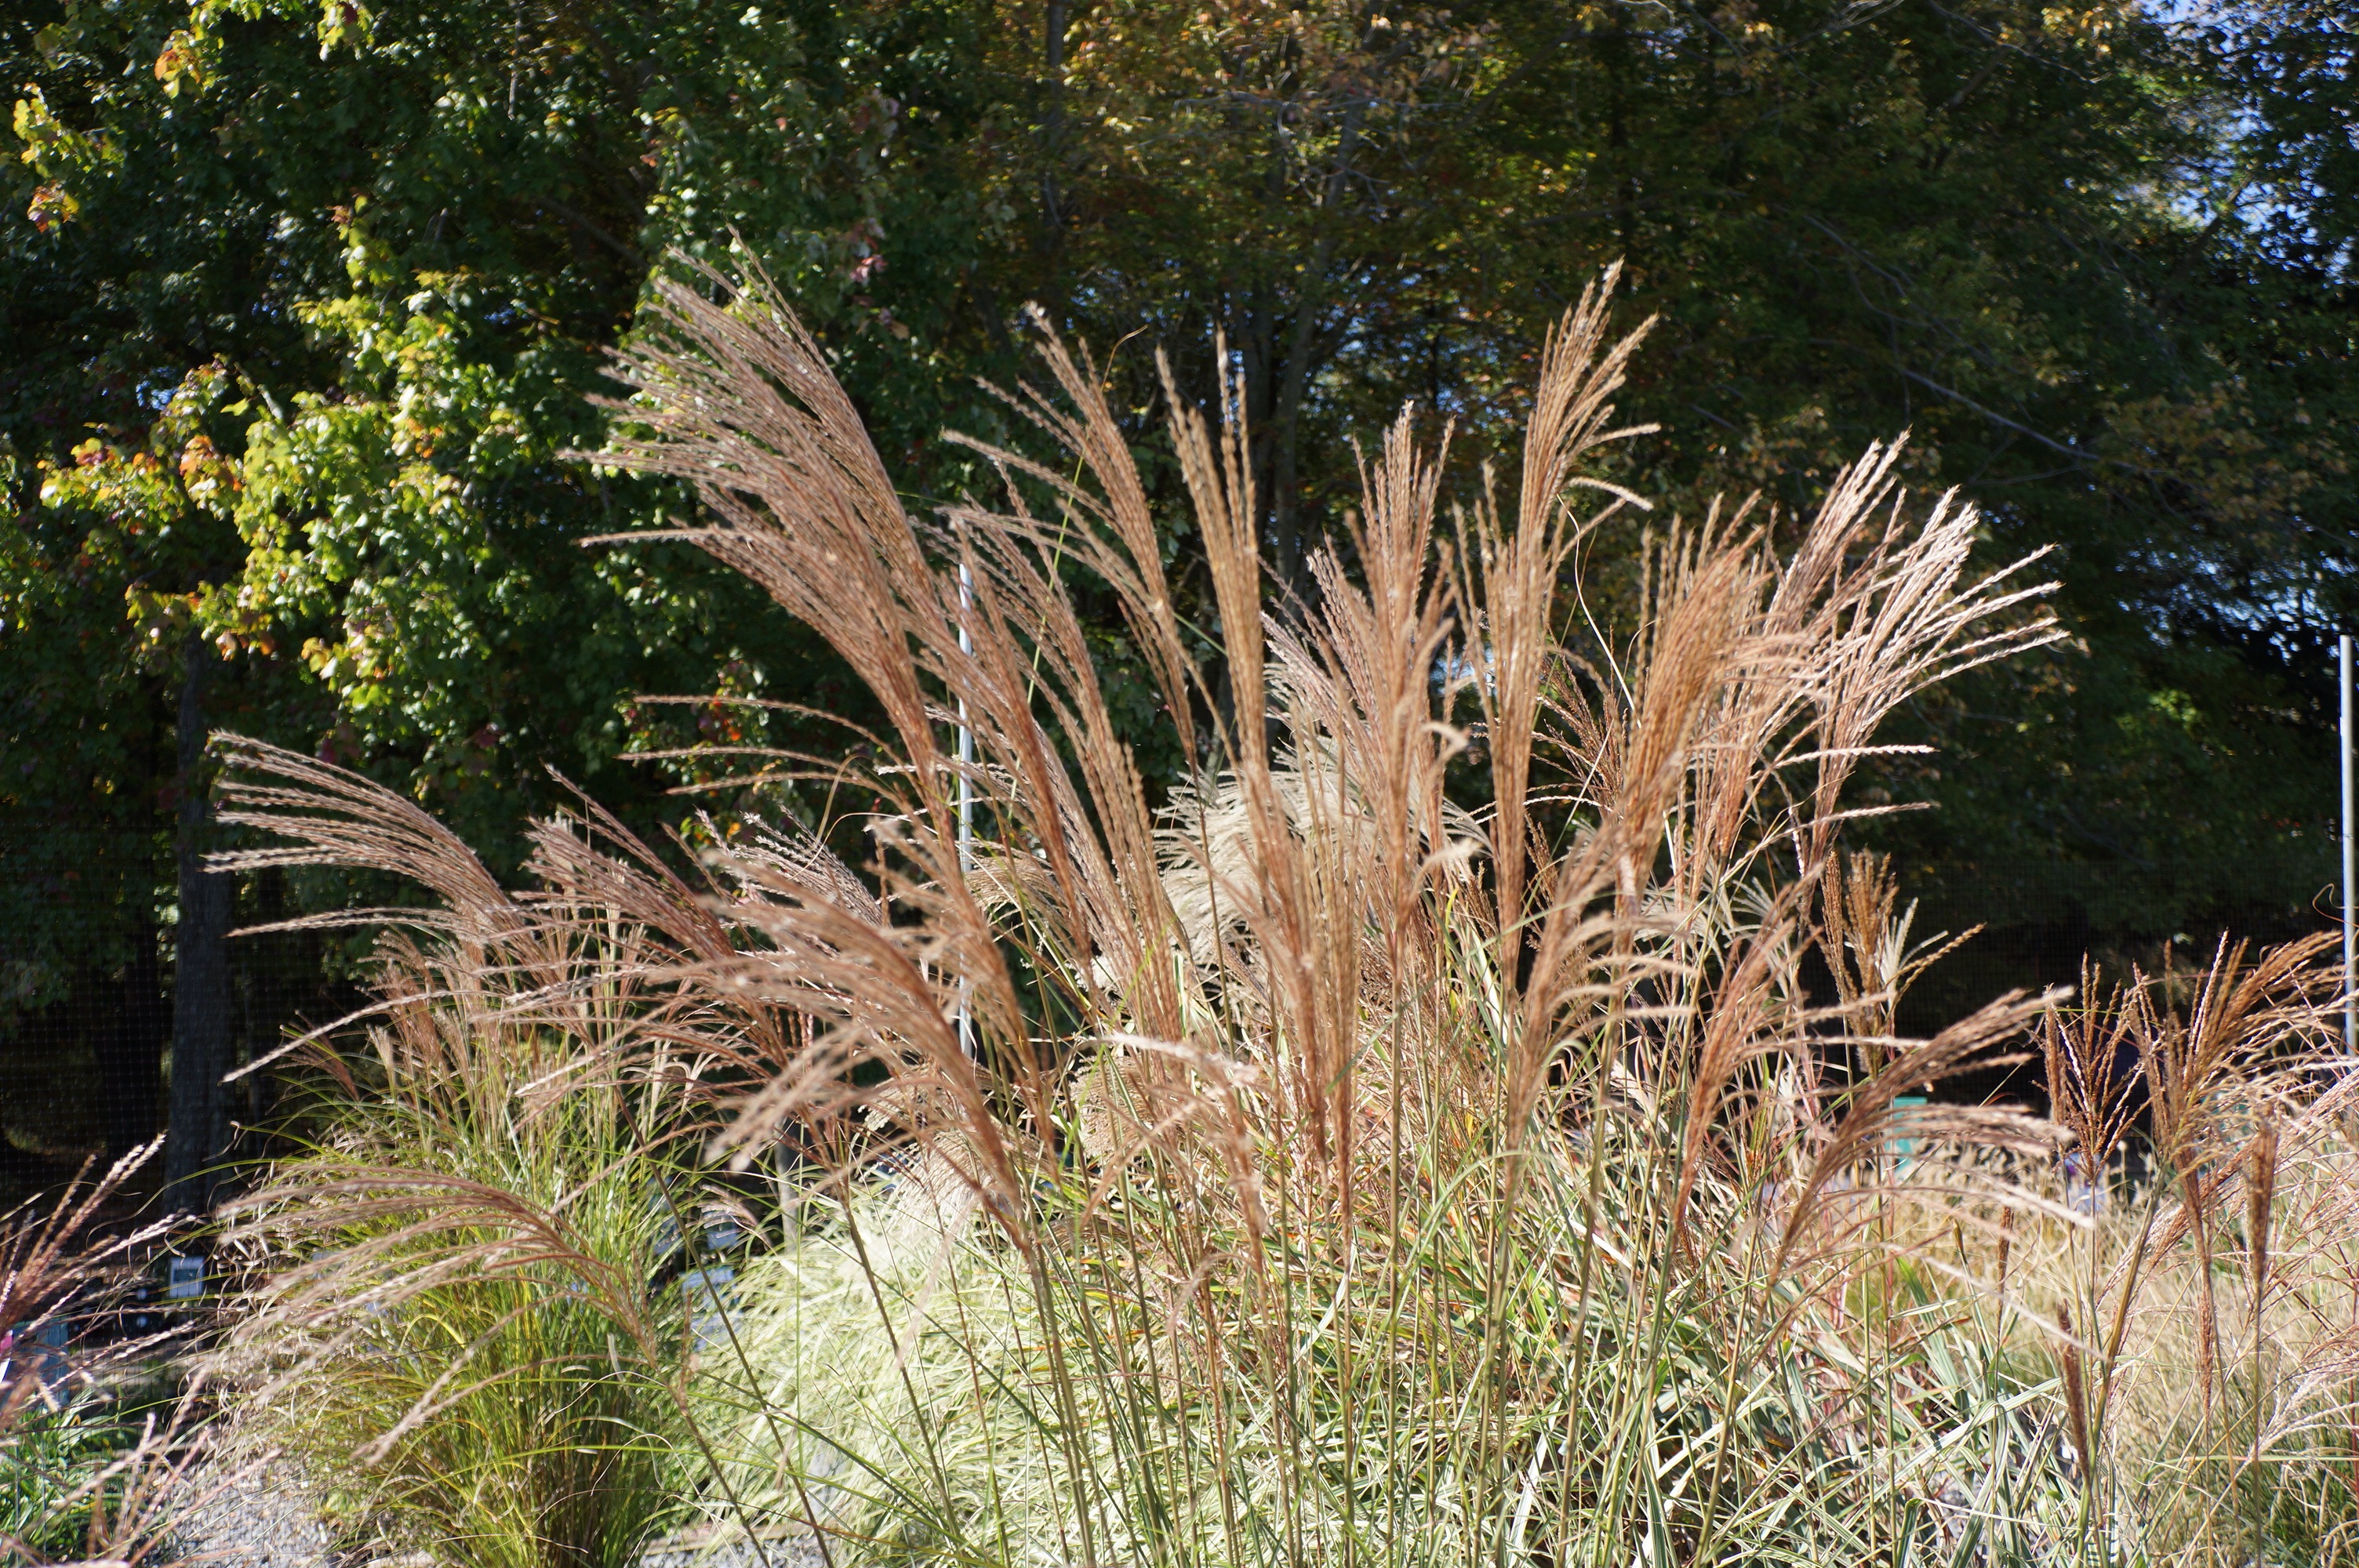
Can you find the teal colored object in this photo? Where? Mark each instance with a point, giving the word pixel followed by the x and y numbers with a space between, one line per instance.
pixel 1904 1150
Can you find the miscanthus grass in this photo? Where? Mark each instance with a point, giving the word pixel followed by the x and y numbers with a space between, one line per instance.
pixel 1308 1168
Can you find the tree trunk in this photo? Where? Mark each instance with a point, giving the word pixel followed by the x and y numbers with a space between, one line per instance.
pixel 201 991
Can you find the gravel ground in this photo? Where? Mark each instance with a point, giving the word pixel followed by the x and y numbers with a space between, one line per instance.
pixel 255 1519
pixel 250 1518
pixel 781 1552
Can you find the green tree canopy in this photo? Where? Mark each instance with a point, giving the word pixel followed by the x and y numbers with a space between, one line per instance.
pixel 303 308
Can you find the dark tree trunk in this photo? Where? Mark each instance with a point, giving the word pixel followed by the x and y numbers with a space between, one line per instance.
pixel 201 990
pixel 131 1049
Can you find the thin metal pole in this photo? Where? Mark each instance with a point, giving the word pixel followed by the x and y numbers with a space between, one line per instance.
pixel 966 790
pixel 2350 896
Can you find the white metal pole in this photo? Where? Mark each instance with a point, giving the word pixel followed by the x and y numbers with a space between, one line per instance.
pixel 2349 896
pixel 966 790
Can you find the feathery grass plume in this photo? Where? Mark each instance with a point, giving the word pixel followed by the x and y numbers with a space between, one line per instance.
pixel 1371 1096
pixel 2089 1052
pixel 1512 610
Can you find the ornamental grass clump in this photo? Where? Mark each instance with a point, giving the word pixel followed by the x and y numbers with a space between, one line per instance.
pixel 1306 1168
pixel 1322 1172
pixel 2212 1303
pixel 464 1318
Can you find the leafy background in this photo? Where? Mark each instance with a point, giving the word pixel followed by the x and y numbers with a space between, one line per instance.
pixel 298 307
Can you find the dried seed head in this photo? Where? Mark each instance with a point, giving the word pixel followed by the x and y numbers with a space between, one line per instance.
pixel 2260 1201
pixel 2076 1393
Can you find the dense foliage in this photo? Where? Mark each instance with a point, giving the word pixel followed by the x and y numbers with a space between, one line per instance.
pixel 299 306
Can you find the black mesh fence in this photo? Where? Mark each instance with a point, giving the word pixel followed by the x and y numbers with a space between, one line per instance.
pixel 88 920
pixel 2035 922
